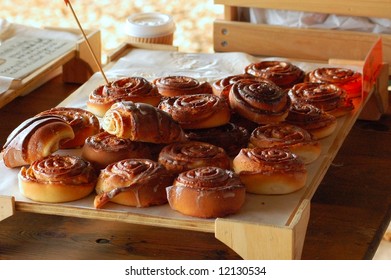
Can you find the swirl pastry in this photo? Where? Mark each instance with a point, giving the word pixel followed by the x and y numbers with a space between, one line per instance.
pixel 141 122
pixel 57 179
pixel 284 74
pixel 104 148
pixel 270 170
pixel 222 86
pixel 259 102
pixel 230 137
pixel 207 192
pixel 83 123
pixel 197 111
pixel 328 97
pixel 286 136
pixel 317 122
pixel 180 157
pixel 133 182
pixel 181 85
pixel 349 80
pixel 34 139
pixel 135 89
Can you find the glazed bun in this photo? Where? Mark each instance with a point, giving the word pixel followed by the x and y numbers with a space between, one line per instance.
pixel 286 136
pixel 34 139
pixel 181 85
pixel 57 179
pixel 135 89
pixel 183 156
pixel 133 182
pixel 104 148
pixel 83 123
pixel 197 111
pixel 270 171
pixel 207 192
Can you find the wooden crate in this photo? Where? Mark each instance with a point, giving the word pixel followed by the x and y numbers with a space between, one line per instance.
pixel 77 65
pixel 309 43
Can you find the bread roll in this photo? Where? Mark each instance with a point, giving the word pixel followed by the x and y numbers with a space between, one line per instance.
pixel 34 139
pixel 135 89
pixel 286 136
pixel 141 122
pixel 284 74
pixel 181 85
pixel 207 192
pixel 270 171
pixel 197 111
pixel 57 179
pixel 260 102
pixel 349 80
pixel 83 123
pixel 180 157
pixel 328 97
pixel 133 182
pixel 104 148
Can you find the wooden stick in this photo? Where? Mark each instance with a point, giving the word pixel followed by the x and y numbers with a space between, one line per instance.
pixel 68 3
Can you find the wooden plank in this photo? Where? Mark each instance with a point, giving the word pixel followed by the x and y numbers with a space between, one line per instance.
pixel 366 8
pixel 311 44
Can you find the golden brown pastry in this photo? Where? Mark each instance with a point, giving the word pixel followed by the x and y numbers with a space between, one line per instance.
pixel 287 136
pixel 181 85
pixel 230 137
pixel 207 192
pixel 57 179
pixel 270 171
pixel 135 89
pixel 328 97
pixel 284 74
pixel 180 157
pixel 349 80
pixel 317 122
pixel 259 102
pixel 104 148
pixel 83 123
pixel 197 111
pixel 34 139
pixel 133 182
pixel 141 122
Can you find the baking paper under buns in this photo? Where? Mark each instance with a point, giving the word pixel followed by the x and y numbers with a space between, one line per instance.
pixel 57 179
pixel 207 192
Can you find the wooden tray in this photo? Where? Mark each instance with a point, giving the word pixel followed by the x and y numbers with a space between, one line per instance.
pixel 268 227
pixel 77 66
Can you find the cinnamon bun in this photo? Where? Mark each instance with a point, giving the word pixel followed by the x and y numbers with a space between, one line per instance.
pixel 135 89
pixel 83 122
pixel 207 192
pixel 259 102
pixel 104 148
pixel 181 85
pixel 287 136
pixel 349 80
pixel 284 74
pixel 328 97
pixel 197 111
pixel 270 170
pixel 180 157
pixel 57 179
pixel 317 122
pixel 133 182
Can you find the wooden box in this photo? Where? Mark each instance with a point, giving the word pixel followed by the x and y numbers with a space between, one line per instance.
pixel 312 44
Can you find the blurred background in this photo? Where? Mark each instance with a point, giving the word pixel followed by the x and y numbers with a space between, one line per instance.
pixel 193 18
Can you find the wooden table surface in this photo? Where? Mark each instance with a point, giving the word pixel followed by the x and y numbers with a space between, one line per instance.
pixel 349 212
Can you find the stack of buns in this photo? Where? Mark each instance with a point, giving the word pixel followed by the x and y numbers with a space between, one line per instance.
pixel 197 146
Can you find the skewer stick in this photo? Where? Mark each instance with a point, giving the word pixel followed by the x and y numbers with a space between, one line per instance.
pixel 68 3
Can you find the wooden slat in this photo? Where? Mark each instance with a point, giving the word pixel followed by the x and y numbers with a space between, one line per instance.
pixel 366 8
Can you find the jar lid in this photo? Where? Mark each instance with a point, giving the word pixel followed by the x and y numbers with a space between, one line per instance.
pixel 149 25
